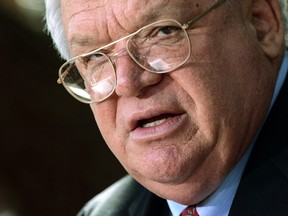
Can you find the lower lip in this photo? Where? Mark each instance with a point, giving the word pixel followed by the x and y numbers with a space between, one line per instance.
pixel 166 129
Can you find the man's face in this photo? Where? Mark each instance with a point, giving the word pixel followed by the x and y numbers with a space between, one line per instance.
pixel 179 134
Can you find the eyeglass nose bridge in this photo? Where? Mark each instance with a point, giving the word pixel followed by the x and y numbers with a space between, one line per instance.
pixel 130 55
pixel 112 57
pixel 118 53
pixel 135 58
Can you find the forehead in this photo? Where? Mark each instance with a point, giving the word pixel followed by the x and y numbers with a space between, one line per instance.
pixel 102 21
pixel 124 9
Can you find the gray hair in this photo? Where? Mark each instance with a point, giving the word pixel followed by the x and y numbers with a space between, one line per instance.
pixel 54 25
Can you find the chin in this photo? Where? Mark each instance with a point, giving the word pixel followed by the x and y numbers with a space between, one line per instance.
pixel 162 171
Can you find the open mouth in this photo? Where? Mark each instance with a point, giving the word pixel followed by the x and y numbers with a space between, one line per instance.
pixel 155 121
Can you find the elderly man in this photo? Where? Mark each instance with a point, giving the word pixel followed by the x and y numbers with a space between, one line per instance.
pixel 191 96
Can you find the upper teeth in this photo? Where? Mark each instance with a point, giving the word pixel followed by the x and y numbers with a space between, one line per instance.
pixel 155 123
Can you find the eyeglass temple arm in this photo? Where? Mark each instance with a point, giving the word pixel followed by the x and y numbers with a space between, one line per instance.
pixel 59 80
pixel 219 2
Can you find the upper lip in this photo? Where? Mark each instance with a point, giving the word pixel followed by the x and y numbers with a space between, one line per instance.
pixel 135 118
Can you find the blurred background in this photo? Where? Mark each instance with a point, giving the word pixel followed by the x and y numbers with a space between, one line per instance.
pixel 52 157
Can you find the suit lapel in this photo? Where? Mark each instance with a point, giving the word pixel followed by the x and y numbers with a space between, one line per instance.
pixel 149 204
pixel 263 189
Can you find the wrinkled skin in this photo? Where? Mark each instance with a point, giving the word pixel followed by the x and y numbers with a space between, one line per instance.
pixel 215 102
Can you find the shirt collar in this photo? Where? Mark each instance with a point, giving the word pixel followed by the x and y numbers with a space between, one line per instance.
pixel 281 77
pixel 219 203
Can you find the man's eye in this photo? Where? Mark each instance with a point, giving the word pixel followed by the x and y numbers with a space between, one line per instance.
pixel 96 57
pixel 164 31
pixel 167 30
pixel 157 32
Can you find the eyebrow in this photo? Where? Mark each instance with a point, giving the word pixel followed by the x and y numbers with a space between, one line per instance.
pixel 81 41
pixel 82 44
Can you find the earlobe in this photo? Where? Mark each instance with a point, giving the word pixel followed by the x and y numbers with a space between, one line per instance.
pixel 267 20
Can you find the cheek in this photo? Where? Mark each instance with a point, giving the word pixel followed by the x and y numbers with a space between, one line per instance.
pixel 220 74
pixel 205 94
pixel 105 114
pixel 113 133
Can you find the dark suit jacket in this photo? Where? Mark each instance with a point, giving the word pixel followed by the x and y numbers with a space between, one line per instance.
pixel 263 189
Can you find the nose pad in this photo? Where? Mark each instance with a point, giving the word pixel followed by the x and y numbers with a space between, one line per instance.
pixel 131 78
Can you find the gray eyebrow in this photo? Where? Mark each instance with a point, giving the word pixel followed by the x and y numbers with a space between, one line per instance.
pixel 82 41
pixel 82 44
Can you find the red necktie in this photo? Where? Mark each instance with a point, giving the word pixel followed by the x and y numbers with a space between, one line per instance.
pixel 190 211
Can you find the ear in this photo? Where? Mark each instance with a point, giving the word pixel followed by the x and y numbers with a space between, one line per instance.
pixel 268 23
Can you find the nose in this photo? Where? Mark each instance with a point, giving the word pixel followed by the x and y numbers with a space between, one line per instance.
pixel 131 78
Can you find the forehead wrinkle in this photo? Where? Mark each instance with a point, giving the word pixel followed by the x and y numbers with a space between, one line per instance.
pixel 143 17
pixel 111 25
pixel 117 22
pixel 77 38
pixel 157 10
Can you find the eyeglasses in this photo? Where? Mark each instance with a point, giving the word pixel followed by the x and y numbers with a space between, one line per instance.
pixel 160 47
